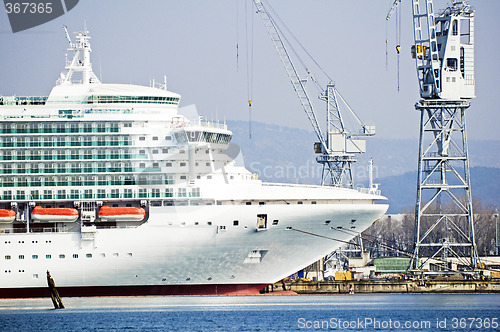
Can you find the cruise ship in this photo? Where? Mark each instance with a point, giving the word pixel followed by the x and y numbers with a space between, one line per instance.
pixel 113 191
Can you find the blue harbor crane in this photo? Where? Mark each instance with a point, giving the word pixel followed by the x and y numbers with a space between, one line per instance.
pixel 444 56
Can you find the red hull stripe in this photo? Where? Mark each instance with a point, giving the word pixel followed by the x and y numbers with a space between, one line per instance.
pixel 226 289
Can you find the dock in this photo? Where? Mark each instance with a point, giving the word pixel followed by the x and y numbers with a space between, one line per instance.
pixel 396 286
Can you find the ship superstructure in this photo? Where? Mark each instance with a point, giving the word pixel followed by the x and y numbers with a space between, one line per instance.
pixel 116 193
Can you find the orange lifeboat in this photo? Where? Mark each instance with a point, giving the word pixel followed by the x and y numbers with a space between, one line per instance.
pixel 54 214
pixel 121 213
pixel 7 216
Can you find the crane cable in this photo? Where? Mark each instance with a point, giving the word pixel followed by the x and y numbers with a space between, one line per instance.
pixel 318 86
pixel 249 56
pixel 411 255
pixel 237 37
pixel 386 46
pixel 398 37
pixel 278 27
pixel 377 241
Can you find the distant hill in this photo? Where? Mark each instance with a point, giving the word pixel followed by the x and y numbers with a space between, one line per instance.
pixel 401 189
pixel 283 154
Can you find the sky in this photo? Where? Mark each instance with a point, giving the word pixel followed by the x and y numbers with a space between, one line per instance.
pixel 194 43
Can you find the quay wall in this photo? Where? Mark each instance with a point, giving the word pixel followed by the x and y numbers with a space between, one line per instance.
pixel 390 286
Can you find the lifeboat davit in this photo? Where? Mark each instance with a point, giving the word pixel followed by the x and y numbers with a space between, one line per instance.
pixel 7 216
pixel 121 213
pixel 54 214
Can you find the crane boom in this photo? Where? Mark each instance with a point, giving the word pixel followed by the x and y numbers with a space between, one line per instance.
pixel 392 9
pixel 337 147
pixel 297 83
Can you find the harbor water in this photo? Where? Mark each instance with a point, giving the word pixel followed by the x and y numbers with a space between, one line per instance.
pixel 395 312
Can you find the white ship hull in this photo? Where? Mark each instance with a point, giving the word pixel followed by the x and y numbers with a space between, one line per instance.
pixel 177 252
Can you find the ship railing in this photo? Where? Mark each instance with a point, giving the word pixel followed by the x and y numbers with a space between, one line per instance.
pixel 212 124
pixel 180 122
pixel 18 100
pixel 370 191
pixel 294 185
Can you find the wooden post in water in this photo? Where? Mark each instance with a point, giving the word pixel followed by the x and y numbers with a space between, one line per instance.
pixel 54 295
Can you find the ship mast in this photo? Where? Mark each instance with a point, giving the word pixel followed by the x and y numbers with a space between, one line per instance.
pixel 81 60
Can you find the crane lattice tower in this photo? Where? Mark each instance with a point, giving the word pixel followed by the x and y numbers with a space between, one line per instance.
pixel 444 54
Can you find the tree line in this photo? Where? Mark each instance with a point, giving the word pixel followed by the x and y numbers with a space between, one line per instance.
pixel 394 235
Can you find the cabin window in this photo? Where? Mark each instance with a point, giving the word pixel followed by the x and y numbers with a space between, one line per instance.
pixel 275 222
pixel 142 138
pixel 452 64
pixel 21 256
pixel 62 256
pixel 454 28
pixel 235 222
pixel 183 164
pixel 168 138
pixel 155 138
pixel 155 151
pixel 168 164
pixel 48 256
pixel 34 256
pixel 7 257
pixel 464 31
pixel 75 255
pixel 88 255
